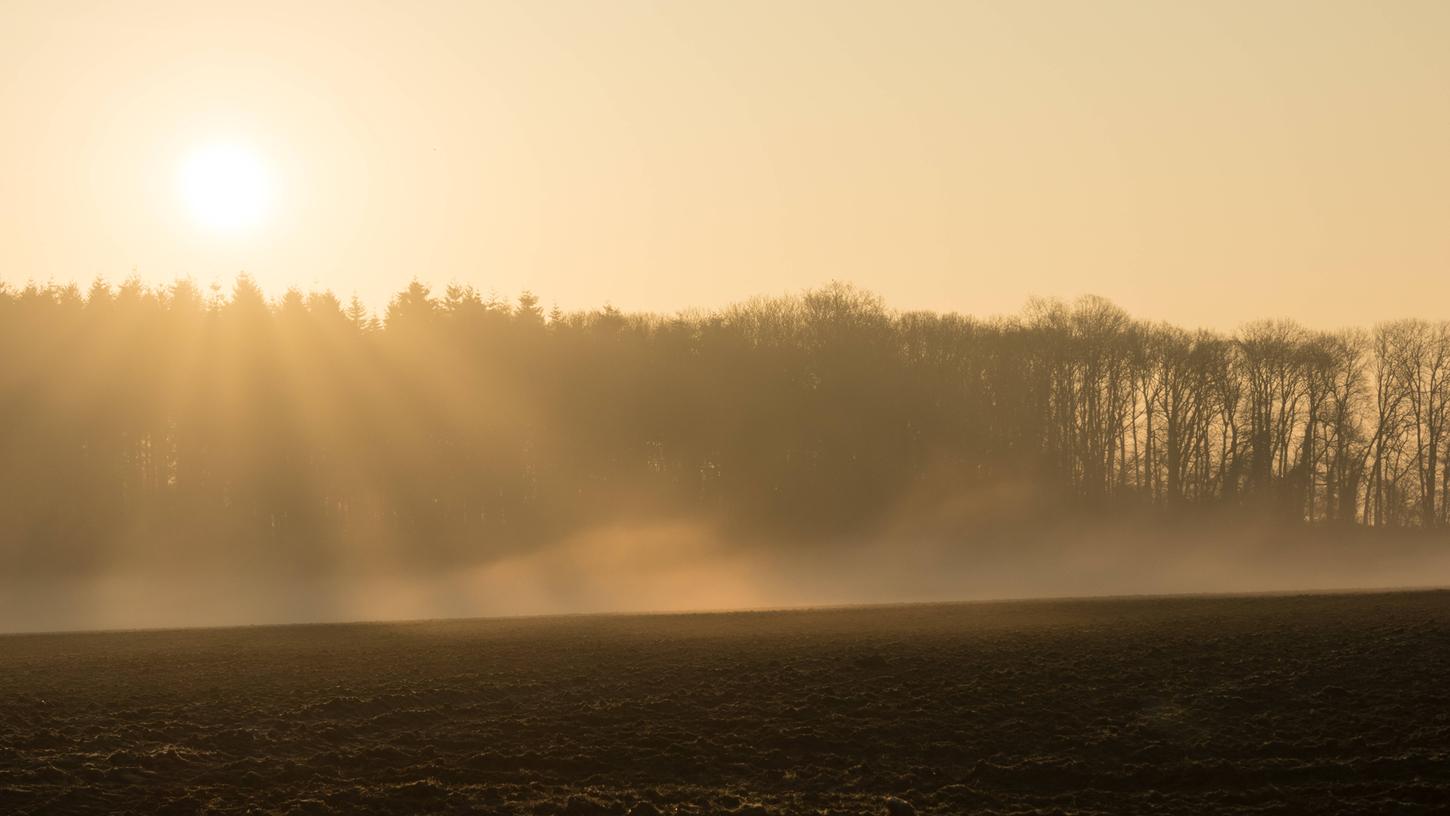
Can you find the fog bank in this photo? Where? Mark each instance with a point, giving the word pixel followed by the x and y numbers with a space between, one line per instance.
pixel 687 566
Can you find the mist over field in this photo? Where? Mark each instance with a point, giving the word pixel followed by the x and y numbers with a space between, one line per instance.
pixel 177 458
pixel 676 567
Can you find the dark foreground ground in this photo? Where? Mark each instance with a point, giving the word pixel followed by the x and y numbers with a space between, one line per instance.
pixel 1310 704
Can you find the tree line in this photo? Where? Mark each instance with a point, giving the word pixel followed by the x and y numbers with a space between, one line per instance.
pixel 456 426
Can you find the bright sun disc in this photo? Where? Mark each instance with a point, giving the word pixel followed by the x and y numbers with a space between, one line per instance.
pixel 225 188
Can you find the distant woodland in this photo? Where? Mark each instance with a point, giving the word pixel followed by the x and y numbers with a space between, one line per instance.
pixel 462 426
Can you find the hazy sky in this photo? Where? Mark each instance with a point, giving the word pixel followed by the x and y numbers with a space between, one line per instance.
pixel 1202 162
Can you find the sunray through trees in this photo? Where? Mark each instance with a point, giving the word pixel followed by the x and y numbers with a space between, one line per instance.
pixel 460 427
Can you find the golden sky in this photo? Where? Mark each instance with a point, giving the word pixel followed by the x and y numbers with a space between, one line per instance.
pixel 1201 162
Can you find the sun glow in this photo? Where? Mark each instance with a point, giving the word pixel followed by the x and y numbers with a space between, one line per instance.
pixel 226 188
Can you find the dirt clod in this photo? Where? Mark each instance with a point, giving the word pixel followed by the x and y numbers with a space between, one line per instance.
pixel 580 805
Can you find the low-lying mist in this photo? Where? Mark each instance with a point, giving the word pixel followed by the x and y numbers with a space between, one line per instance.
pixel 677 565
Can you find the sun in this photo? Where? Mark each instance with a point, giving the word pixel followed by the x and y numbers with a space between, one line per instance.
pixel 226 188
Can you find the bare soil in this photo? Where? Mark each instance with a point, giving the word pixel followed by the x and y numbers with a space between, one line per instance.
pixel 1303 704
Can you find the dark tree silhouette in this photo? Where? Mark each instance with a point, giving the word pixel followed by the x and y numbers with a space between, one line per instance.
pixel 462 427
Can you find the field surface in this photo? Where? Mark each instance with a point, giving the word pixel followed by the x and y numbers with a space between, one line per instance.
pixel 1306 704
